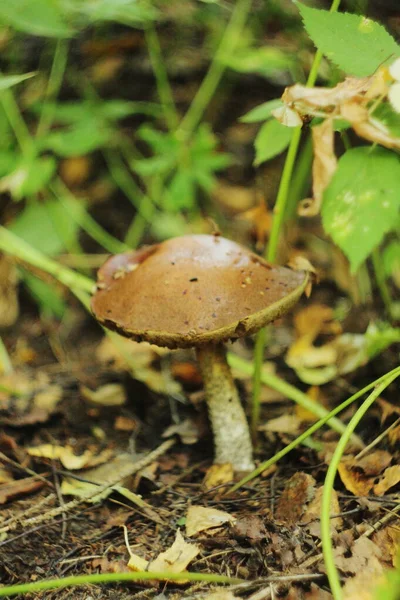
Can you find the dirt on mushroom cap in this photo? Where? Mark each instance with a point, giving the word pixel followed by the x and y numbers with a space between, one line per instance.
pixel 192 290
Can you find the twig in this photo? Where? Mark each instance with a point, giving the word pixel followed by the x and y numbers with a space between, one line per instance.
pixel 92 493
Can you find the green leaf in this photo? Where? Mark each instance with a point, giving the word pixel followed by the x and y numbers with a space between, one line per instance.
pixel 379 337
pixel 261 112
pixel 272 139
pixel 80 139
pixel 181 192
pixel 7 81
pixel 355 44
pixel 266 61
pixel 362 201
pixel 29 178
pixel 126 12
pixel 35 17
pixel 45 226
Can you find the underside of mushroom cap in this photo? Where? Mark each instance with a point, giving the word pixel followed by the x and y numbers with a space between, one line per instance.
pixel 193 290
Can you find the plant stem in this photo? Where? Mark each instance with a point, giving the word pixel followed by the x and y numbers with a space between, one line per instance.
pixel 161 75
pixel 381 282
pixel 326 537
pixel 310 431
pixel 289 391
pixel 78 212
pixel 279 213
pixel 17 123
pixel 214 74
pixel 14 245
pixel 53 86
pixel 74 580
pixel 128 186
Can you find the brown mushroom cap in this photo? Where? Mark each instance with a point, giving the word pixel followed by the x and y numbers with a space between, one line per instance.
pixel 192 290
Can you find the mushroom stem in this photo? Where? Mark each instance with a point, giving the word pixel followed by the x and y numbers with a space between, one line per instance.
pixel 228 420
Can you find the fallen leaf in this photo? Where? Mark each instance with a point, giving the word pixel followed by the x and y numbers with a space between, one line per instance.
pixel 200 518
pixel 68 458
pixel 312 514
pixel 233 198
pixel 363 556
pixel 218 475
pixel 27 398
pixel 261 220
pixel 174 560
pixel 299 491
pixel 187 430
pixel 122 423
pixel 20 487
pixel 110 394
pixel 289 424
pixel 388 540
pixel 374 463
pixel 251 528
pixel 390 478
pixel 109 566
pixel 354 480
pixel 220 595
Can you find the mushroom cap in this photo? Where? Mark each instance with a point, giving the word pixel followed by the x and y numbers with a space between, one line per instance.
pixel 192 290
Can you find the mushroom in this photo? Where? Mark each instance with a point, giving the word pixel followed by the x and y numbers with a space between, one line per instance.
pixel 199 291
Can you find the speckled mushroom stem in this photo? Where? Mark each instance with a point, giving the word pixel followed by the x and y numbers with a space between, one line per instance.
pixel 231 431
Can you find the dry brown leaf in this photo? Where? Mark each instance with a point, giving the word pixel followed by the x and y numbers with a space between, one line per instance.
pixel 299 491
pixel 200 518
pixel 394 436
pixel 324 166
pixel 5 476
pixel 388 540
pixel 174 560
pixel 288 424
pixel 122 423
pixel 110 394
pixel 390 478
pixel 187 430
pixel 251 528
pixel 234 198
pixel 354 481
pixel 374 463
pixel 220 595
pixel 312 515
pixel 318 397
pixel 21 487
pixel 68 458
pixel 307 100
pixel 261 219
pixel 217 475
pixel 363 555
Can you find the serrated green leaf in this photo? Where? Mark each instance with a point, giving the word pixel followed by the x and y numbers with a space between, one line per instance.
pixel 361 204
pixel 80 139
pixel 261 112
pixel 7 81
pixel 355 44
pixel 181 192
pixel 272 139
pixel 379 337
pixel 36 17
pixel 36 225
